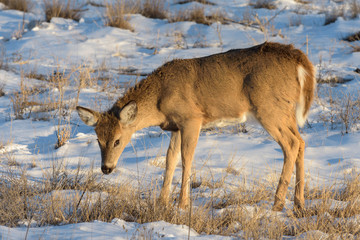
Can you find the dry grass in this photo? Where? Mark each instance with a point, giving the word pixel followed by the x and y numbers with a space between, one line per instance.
pixel 302 1
pixel 73 196
pixel 352 37
pixel 354 9
pixel 21 5
pixel 353 41
pixel 197 14
pixel 55 99
pixel 199 1
pixel 2 87
pixel 342 110
pixel 24 100
pixel 154 9
pixel 3 60
pixel 268 4
pixel 116 14
pixel 62 9
pixel 333 15
pixel 355 47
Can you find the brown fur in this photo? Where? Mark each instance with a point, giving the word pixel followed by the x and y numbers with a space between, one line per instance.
pixel 185 95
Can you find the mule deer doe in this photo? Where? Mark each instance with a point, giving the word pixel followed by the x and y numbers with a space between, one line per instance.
pixel 273 82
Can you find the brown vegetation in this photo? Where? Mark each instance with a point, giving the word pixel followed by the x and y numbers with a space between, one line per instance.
pixel 154 9
pixel 21 5
pixel 197 14
pixel 268 4
pixel 63 9
pixel 116 14
pixel 73 196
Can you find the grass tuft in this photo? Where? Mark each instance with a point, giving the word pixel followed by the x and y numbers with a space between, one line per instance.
pixel 154 9
pixel 72 196
pixel 2 91
pixel 20 5
pixel 352 37
pixel 199 1
pixel 115 14
pixel 62 9
pixel 197 14
pixel 268 4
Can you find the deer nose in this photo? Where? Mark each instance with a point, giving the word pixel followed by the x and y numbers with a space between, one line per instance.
pixel 106 170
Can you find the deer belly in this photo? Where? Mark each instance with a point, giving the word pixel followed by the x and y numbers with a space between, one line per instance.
pixel 223 122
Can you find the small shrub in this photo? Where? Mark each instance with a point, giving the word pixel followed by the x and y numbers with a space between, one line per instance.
pixel 354 9
pixel 2 92
pixel 199 1
pixel 343 109
pixel 353 40
pixel 21 5
pixel 349 113
pixel 295 21
pixel 302 1
pixel 63 134
pixel 62 9
pixel 355 47
pixel 268 4
pixel 179 40
pixel 195 14
pixel 3 61
pixel 23 101
pixel 333 15
pixel 353 37
pixel 116 14
pixel 154 9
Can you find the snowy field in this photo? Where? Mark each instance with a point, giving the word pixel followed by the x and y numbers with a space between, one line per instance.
pixel 49 67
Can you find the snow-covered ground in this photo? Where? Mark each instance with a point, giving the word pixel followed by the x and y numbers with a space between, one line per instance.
pixel 63 46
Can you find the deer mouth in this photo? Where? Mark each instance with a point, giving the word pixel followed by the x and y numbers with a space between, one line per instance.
pixel 106 170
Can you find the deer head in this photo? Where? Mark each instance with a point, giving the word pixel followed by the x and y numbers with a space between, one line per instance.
pixel 113 129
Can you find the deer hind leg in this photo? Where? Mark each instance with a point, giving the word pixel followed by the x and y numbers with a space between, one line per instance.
pixel 172 157
pixel 189 138
pixel 299 201
pixel 285 133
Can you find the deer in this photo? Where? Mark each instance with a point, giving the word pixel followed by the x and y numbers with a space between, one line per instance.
pixel 272 82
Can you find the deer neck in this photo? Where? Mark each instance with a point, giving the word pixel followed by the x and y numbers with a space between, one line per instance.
pixel 145 94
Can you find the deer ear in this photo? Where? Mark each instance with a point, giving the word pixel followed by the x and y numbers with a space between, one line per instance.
pixel 128 113
pixel 88 116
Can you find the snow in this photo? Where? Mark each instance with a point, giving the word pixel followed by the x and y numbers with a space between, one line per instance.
pixel 64 44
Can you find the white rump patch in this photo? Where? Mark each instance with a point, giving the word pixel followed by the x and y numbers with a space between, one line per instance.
pixel 300 106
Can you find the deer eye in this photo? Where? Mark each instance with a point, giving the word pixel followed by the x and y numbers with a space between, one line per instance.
pixel 116 143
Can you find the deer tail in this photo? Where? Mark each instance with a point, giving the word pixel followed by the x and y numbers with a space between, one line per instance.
pixel 306 77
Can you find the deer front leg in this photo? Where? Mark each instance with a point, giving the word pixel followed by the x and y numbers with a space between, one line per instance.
pixel 189 138
pixel 172 157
